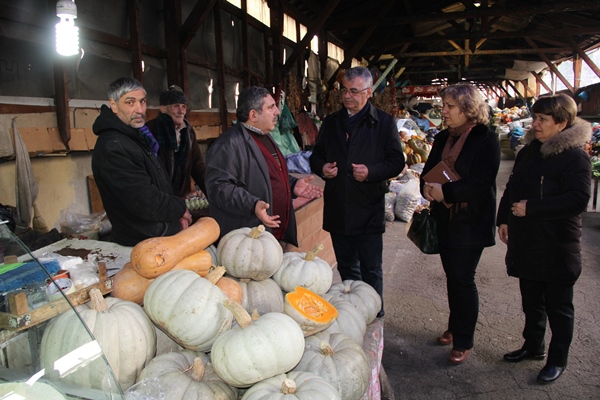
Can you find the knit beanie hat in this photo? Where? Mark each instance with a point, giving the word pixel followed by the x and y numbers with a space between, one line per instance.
pixel 174 95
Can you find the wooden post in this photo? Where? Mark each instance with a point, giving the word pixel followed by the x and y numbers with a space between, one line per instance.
pixel 245 49
pixel 135 42
pixel 220 67
pixel 62 100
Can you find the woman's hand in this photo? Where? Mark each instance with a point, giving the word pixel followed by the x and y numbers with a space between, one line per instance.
pixel 503 233
pixel 519 209
pixel 433 191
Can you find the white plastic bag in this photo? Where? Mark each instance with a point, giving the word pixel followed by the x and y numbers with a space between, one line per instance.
pixel 409 197
pixel 390 201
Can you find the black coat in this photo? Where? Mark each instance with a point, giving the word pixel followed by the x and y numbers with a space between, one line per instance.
pixel 135 190
pixel 477 165
pixel 355 208
pixel 554 178
pixel 192 166
pixel 237 176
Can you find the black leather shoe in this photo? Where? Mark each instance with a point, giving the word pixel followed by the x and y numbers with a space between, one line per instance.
pixel 550 373
pixel 522 354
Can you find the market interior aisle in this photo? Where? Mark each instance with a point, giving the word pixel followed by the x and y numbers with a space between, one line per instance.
pixel 417 312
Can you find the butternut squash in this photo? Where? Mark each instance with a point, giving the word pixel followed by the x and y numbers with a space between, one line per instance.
pixel 155 256
pixel 199 263
pixel 129 285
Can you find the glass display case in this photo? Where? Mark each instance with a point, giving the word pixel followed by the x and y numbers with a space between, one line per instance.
pixel 47 351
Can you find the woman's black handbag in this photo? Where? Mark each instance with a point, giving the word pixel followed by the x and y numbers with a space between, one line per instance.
pixel 422 231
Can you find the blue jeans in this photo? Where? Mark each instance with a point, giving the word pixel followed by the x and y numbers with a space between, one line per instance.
pixel 360 258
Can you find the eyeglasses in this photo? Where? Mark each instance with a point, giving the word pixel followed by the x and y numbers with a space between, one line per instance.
pixel 353 92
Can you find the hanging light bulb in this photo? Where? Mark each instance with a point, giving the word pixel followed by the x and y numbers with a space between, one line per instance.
pixel 67 34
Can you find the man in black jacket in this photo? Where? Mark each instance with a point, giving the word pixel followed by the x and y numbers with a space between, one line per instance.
pixel 178 149
pixel 135 190
pixel 357 150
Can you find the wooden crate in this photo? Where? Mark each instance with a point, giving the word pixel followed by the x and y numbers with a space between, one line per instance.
pixel 20 317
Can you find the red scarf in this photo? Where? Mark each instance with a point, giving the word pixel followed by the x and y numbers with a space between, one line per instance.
pixel 452 149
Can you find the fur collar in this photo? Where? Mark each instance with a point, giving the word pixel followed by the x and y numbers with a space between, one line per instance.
pixel 574 136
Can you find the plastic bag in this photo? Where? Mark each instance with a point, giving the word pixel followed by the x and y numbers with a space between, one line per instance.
pixel 390 201
pixel 409 197
pixel 298 162
pixel 146 389
pixel 81 226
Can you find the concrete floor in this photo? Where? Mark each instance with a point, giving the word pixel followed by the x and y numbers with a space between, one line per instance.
pixel 417 311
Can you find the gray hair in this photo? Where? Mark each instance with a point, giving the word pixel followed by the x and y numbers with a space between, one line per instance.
pixel 251 98
pixel 469 101
pixel 122 86
pixel 359 72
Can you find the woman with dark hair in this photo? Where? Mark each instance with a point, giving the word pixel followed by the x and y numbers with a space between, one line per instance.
pixel 539 218
pixel 465 209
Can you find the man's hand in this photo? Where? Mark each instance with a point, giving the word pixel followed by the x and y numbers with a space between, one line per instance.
pixel 270 221
pixel 186 219
pixel 304 188
pixel 330 170
pixel 360 172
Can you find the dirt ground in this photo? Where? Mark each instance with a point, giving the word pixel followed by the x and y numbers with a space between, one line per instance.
pixel 417 311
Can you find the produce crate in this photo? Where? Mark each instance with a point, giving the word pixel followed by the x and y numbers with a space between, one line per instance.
pixel 20 317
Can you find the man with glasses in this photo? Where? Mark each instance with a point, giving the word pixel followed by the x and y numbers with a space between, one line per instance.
pixel 357 150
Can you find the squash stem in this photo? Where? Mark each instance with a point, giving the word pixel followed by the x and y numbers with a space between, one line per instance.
pixel 310 255
pixel 288 386
pixel 198 369
pixel 255 232
pixel 239 313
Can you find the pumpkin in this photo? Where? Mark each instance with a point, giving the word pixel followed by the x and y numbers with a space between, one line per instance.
pixel 199 263
pixel 123 331
pixel 187 375
pixel 350 320
pixel 188 308
pixel 255 350
pixel 155 256
pixel 24 390
pixel 362 295
pixel 250 253
pixel 340 361
pixel 264 296
pixel 304 269
pixel 298 385
pixel 312 312
pixel 129 285
pixel 231 288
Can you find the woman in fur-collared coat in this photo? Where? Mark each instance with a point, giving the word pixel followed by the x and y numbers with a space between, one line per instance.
pixel 539 218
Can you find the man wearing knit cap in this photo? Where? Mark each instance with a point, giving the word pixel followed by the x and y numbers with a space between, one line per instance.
pixel 178 149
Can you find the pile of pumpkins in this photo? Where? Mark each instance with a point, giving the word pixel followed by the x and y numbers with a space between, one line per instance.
pixel 241 320
pixel 416 150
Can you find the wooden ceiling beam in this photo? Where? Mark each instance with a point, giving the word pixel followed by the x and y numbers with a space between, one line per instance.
pixel 312 30
pixel 585 57
pixel 479 12
pixel 486 52
pixel 551 65
pixel 540 81
pixel 515 89
pixel 194 21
